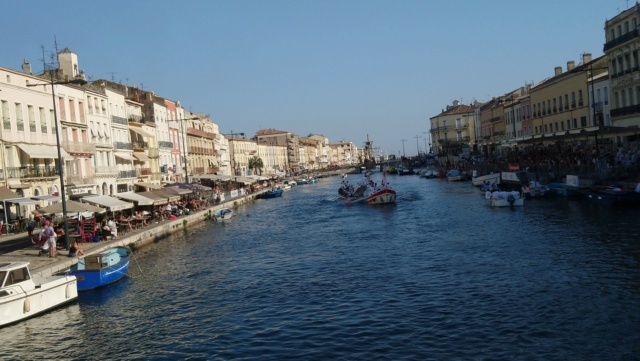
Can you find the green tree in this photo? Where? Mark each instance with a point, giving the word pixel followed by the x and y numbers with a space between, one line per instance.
pixel 255 164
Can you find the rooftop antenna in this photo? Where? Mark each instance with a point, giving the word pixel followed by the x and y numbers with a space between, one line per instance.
pixel 113 77
pixel 55 46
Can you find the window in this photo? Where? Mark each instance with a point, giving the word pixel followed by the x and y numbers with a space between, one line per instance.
pixel 6 120
pixel 605 93
pixel 566 102
pixel 32 118
pixel 575 123
pixel 43 121
pixel 583 121
pixel 72 110
pixel 52 116
pixel 63 113
pixel 573 99
pixel 19 118
pixel 580 100
pixel 560 102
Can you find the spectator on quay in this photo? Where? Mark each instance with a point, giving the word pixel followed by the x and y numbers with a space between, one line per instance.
pixel 113 227
pixel 33 223
pixel 75 250
pixel 125 220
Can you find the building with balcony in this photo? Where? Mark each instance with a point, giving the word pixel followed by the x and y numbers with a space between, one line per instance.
pixel 282 138
pixel 453 129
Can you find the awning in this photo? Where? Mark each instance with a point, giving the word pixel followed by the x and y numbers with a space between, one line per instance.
pixel 141 132
pixel 214 177
pixel 141 156
pixel 6 193
pixel 43 151
pixel 112 203
pixel 157 200
pixel 15 183
pixel 171 197
pixel 47 198
pixel 245 180
pixel 148 185
pixel 22 201
pixel 134 197
pixel 178 191
pixel 124 156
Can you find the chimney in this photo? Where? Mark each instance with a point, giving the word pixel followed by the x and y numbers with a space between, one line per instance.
pixel 26 67
pixel 558 70
pixel 571 65
pixel 586 58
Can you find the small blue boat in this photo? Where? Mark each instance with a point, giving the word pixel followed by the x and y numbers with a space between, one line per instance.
pixel 99 270
pixel 271 193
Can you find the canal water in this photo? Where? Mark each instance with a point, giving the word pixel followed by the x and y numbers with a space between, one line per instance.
pixel 438 276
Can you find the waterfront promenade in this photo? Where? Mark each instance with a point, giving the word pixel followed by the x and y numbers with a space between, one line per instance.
pixel 45 266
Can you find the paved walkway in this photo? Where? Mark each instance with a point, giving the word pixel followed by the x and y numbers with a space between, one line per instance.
pixel 44 265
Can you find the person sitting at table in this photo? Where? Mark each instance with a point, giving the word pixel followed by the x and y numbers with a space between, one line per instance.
pixel 75 250
pixel 61 239
pixel 140 218
pixel 125 220
pixel 113 227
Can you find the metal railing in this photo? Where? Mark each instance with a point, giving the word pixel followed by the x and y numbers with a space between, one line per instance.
pixel 127 174
pixel 31 172
pixel 122 145
pixel 119 120
pixel 76 148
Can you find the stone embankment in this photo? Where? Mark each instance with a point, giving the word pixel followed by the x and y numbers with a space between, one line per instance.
pixel 45 266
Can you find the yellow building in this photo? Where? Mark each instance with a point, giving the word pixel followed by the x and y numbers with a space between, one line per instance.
pixel 453 129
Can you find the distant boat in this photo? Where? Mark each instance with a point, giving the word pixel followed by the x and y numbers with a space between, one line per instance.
pixel 272 193
pixel 101 269
pixel 455 175
pixel 23 296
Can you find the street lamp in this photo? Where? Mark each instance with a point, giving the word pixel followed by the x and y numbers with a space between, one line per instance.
pixel 184 148
pixel 78 81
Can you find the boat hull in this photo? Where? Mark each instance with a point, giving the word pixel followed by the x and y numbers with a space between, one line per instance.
pixel 383 196
pixel 612 197
pixel 223 213
pixel 505 202
pixel 488 178
pixel 98 271
pixel 50 293
pixel 271 194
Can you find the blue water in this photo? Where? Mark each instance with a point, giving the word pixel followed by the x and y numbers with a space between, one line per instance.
pixel 438 276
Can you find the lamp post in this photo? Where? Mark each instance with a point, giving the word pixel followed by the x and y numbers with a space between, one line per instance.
pixel 77 81
pixel 184 147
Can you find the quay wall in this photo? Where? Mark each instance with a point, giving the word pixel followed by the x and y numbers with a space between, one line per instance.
pixel 148 235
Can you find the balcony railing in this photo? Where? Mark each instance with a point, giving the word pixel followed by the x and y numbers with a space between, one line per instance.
pixel 633 109
pixel 143 171
pixel 79 148
pixel 127 174
pixel 80 179
pixel 118 120
pixel 495 119
pixel 122 145
pixel 136 118
pixel 106 170
pixel 31 172
pixel 621 39
pixel 164 144
pixel 140 145
pixel 201 133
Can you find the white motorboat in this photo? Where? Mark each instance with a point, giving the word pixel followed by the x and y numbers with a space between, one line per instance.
pixel 504 199
pixel 223 213
pixel 479 181
pixel 23 296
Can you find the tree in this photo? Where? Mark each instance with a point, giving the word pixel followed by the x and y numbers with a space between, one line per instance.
pixel 256 164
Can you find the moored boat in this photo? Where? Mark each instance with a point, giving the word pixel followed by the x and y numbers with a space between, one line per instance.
pixel 23 296
pixel 455 175
pixel 481 180
pixel 271 193
pixel 382 196
pixel 98 270
pixel 504 199
pixel 223 213
pixel 612 195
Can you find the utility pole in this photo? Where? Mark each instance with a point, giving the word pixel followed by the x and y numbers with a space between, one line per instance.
pixel 403 153
pixel 417 146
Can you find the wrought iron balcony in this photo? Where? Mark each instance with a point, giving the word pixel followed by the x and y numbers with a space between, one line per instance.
pixel 79 148
pixel 31 172
pixel 119 120
pixel 165 145
pixel 621 39
pixel 127 174
pixel 633 109
pixel 136 118
pixel 106 170
pixel 140 145
pixel 122 145
pixel 80 179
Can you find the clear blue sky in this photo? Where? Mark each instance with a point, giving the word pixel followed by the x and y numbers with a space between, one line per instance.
pixel 343 68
